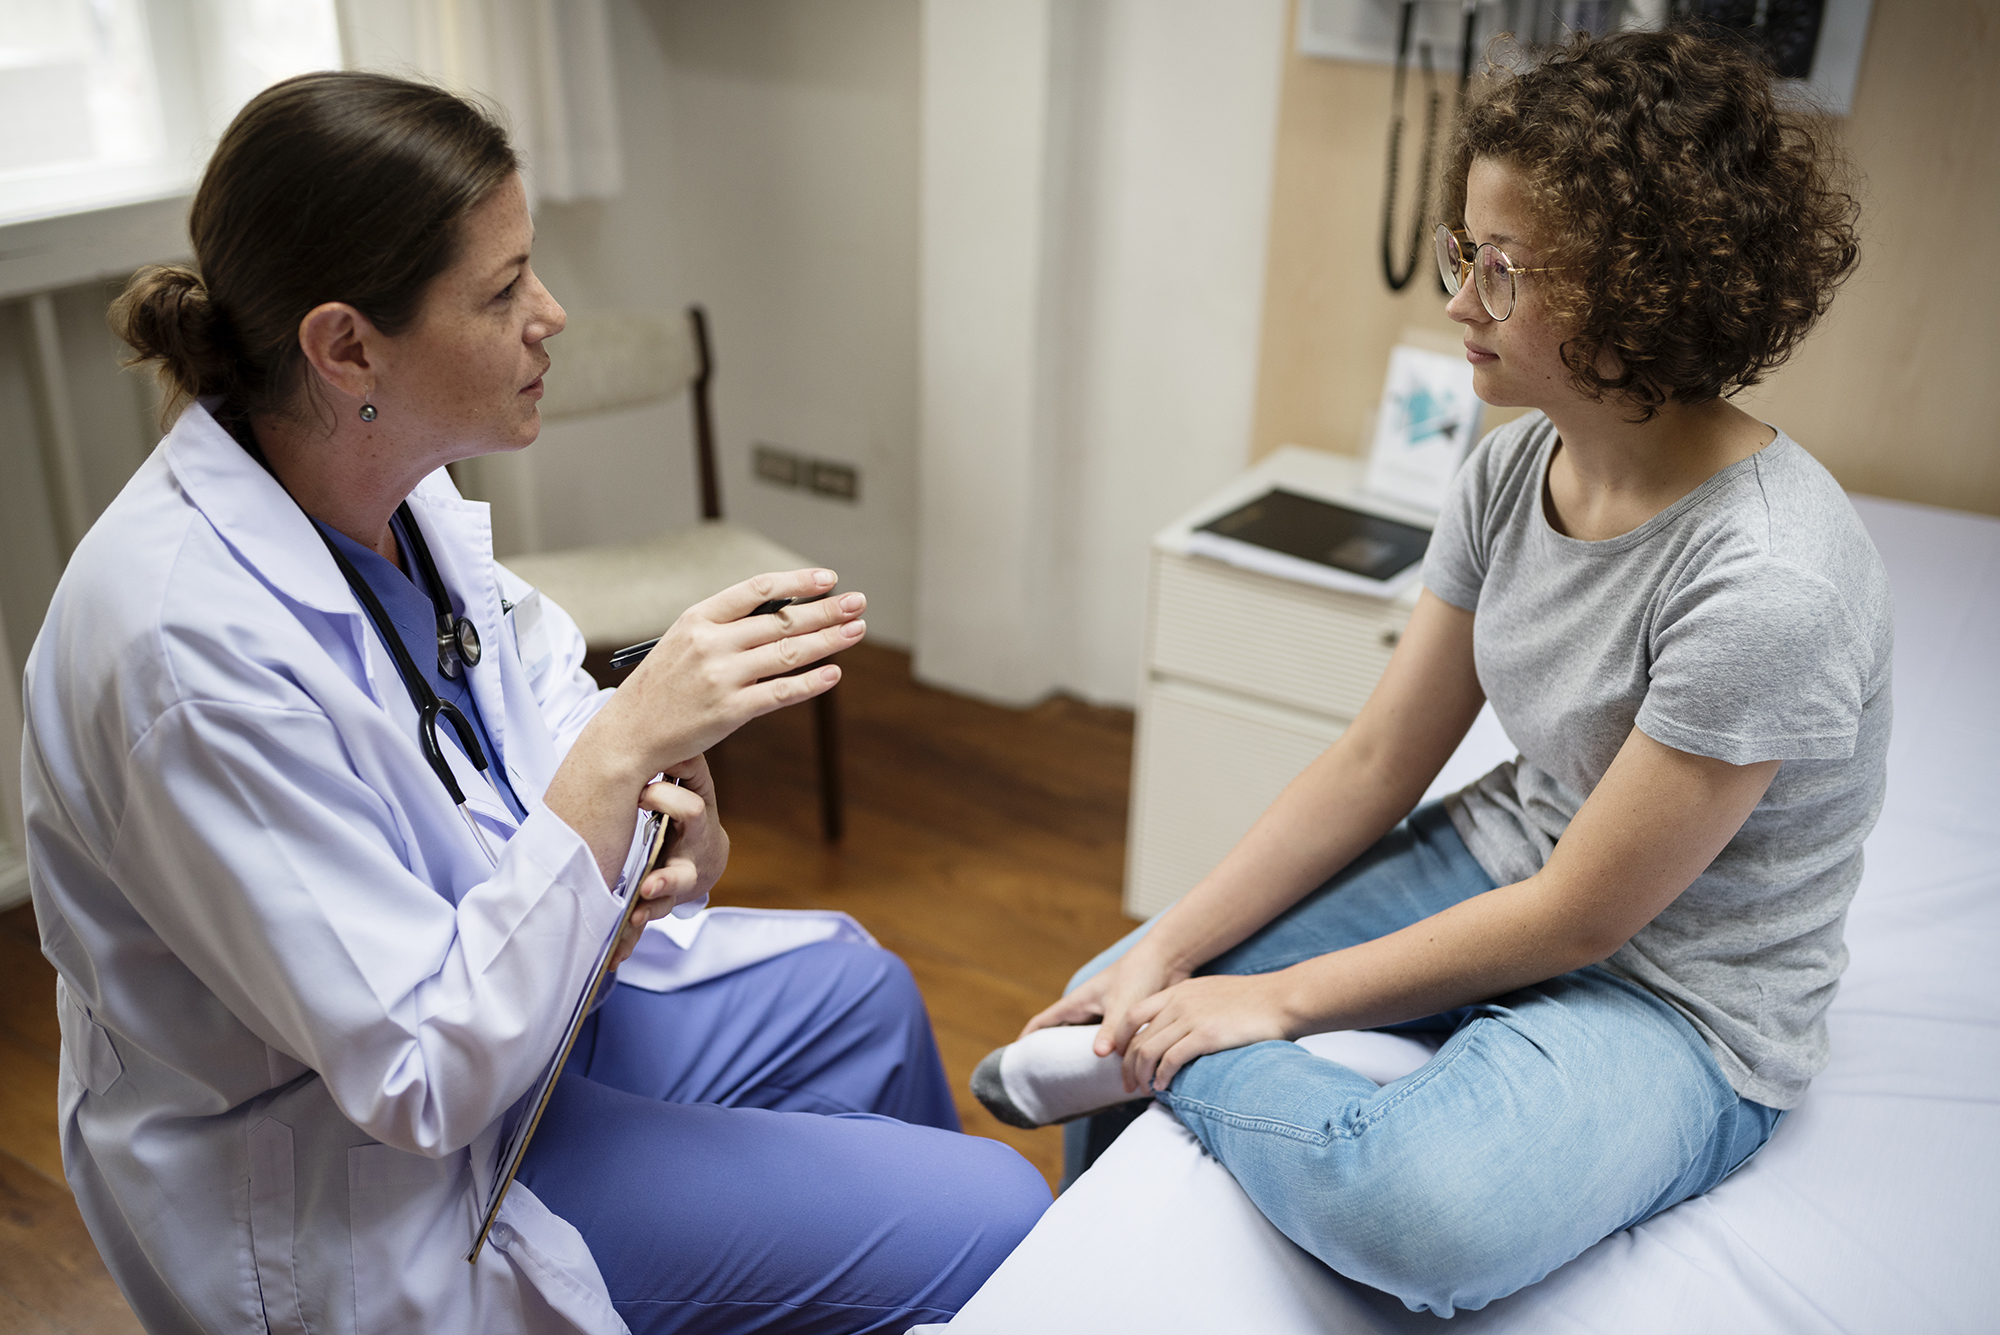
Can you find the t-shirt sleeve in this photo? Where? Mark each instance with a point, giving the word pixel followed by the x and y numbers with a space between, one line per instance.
pixel 1455 563
pixel 1757 659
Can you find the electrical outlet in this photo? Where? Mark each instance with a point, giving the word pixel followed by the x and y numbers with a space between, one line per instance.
pixel 779 467
pixel 782 468
pixel 841 481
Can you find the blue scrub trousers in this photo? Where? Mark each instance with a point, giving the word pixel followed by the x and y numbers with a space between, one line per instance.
pixel 777 1150
pixel 1551 1117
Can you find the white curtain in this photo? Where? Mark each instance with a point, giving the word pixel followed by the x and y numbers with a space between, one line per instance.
pixel 545 63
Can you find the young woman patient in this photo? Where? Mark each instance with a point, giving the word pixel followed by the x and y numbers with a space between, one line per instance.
pixel 1626 938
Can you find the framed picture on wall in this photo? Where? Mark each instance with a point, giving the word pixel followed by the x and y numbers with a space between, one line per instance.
pixel 1428 419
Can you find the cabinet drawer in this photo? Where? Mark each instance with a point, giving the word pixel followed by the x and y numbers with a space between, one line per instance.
pixel 1289 643
pixel 1206 764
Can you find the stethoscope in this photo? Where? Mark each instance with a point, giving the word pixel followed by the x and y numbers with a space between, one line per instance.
pixel 457 649
pixel 457 645
pixel 1398 275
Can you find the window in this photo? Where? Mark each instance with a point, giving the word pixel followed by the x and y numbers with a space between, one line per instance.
pixel 107 102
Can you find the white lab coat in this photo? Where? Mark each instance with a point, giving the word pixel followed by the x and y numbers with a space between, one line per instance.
pixel 296 998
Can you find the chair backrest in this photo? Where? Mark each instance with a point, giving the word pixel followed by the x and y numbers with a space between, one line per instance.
pixel 620 359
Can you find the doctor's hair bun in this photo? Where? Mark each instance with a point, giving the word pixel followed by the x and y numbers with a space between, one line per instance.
pixel 340 186
pixel 1702 223
pixel 165 317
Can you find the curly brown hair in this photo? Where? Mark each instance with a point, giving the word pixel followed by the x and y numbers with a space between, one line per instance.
pixel 1703 225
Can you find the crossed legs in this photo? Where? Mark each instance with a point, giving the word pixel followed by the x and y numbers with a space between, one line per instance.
pixel 1551 1117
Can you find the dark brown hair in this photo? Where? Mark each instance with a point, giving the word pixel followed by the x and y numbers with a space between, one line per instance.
pixel 1704 226
pixel 326 187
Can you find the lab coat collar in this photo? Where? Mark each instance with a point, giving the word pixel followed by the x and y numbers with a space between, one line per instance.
pixel 273 537
pixel 253 514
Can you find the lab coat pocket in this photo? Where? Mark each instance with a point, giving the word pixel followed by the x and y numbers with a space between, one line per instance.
pixel 398 1204
pixel 273 1206
pixel 531 638
pixel 89 1049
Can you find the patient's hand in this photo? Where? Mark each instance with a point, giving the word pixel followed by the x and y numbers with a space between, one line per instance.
pixel 1202 1015
pixel 1111 996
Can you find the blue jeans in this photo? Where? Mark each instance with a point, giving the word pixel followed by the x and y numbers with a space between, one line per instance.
pixel 777 1150
pixel 1551 1117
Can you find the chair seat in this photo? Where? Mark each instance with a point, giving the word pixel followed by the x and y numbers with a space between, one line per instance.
pixel 620 595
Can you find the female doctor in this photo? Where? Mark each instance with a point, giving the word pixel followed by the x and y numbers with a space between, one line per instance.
pixel 325 825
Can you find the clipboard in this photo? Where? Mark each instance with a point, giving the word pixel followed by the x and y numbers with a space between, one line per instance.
pixel 515 1150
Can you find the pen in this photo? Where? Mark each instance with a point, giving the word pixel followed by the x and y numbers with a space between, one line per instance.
pixel 629 656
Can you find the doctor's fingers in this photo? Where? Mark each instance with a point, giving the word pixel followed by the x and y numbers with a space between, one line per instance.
pixel 798 619
pixel 776 692
pixel 674 881
pixel 738 601
pixel 694 776
pixel 795 651
pixel 680 803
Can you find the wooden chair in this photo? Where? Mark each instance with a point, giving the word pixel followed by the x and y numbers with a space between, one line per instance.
pixel 625 593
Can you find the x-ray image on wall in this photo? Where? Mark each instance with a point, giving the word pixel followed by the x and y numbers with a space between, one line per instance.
pixel 1787 30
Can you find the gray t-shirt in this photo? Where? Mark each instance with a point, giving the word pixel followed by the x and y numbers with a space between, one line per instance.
pixel 1747 621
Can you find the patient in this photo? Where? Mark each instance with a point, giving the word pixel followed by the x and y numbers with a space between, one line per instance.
pixel 1625 940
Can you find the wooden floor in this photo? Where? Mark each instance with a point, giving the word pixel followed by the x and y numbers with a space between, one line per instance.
pixel 985 846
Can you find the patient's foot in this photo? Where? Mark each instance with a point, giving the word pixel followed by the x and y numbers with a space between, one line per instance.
pixel 1050 1076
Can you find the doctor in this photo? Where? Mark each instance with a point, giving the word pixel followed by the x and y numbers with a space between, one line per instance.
pixel 325 824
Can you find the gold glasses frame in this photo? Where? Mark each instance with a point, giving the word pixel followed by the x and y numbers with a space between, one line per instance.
pixel 1452 244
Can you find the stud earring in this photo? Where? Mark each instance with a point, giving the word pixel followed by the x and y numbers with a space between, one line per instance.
pixel 367 410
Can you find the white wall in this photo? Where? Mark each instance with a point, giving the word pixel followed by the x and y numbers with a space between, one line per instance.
pixel 1089 323
pixel 1094 178
pixel 770 175
pixel 1097 178
pixel 989 606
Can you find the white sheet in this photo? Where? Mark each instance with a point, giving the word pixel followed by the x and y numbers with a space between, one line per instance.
pixel 1876 1206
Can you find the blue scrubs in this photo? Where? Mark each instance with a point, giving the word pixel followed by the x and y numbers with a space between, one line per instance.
pixel 776 1150
pixel 772 1150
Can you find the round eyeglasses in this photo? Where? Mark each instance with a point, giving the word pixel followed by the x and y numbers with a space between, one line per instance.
pixel 1492 272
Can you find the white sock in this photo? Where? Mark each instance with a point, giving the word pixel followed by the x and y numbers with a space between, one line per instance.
pixel 1052 1075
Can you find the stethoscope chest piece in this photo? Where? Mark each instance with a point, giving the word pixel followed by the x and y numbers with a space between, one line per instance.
pixel 458 641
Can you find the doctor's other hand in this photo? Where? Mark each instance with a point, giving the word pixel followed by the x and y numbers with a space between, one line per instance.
pixel 698 850
pixel 718 666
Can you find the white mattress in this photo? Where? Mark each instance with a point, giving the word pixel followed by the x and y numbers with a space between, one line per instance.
pixel 1875 1207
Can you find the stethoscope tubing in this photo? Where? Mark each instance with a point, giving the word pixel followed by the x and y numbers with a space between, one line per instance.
pixel 457 638
pixel 430 708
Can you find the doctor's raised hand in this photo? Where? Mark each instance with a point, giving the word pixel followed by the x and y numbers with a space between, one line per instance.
pixel 327 826
pixel 461 376
pixel 716 668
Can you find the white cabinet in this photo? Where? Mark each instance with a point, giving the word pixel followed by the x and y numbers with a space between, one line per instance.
pixel 1247 678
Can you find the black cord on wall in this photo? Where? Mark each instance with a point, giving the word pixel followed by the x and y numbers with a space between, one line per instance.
pixel 1399 275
